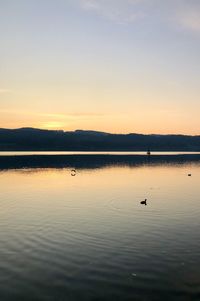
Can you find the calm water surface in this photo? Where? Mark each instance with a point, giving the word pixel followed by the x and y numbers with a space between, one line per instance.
pixel 87 237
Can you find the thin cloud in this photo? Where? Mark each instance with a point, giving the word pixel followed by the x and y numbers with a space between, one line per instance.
pixel 189 20
pixel 182 14
pixel 120 11
pixel 2 91
pixel 71 115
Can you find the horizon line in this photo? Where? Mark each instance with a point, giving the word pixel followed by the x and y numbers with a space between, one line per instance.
pixel 98 131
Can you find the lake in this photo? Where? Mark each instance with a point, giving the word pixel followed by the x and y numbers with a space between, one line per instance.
pixel 84 235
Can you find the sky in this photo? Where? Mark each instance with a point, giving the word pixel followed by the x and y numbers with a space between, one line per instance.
pixel 118 66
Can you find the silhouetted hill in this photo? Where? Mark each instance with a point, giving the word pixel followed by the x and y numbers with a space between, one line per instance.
pixel 37 139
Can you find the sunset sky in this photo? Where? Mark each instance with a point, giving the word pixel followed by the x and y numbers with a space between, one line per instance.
pixel 109 65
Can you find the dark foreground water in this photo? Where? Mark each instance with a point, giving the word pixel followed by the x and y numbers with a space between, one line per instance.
pixel 87 237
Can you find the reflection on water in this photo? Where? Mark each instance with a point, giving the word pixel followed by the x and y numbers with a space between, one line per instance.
pixel 88 237
pixel 86 161
pixel 57 153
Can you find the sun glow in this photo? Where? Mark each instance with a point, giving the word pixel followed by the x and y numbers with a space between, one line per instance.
pixel 53 125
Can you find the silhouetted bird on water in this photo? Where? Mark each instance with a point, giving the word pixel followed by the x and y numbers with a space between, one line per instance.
pixel 144 202
pixel 73 172
pixel 148 152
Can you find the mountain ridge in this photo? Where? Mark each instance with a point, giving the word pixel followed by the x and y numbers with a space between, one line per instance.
pixel 28 138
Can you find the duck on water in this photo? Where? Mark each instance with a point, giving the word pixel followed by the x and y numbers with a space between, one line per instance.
pixel 144 202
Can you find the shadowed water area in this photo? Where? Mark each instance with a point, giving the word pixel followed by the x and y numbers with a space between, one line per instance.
pixel 85 235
